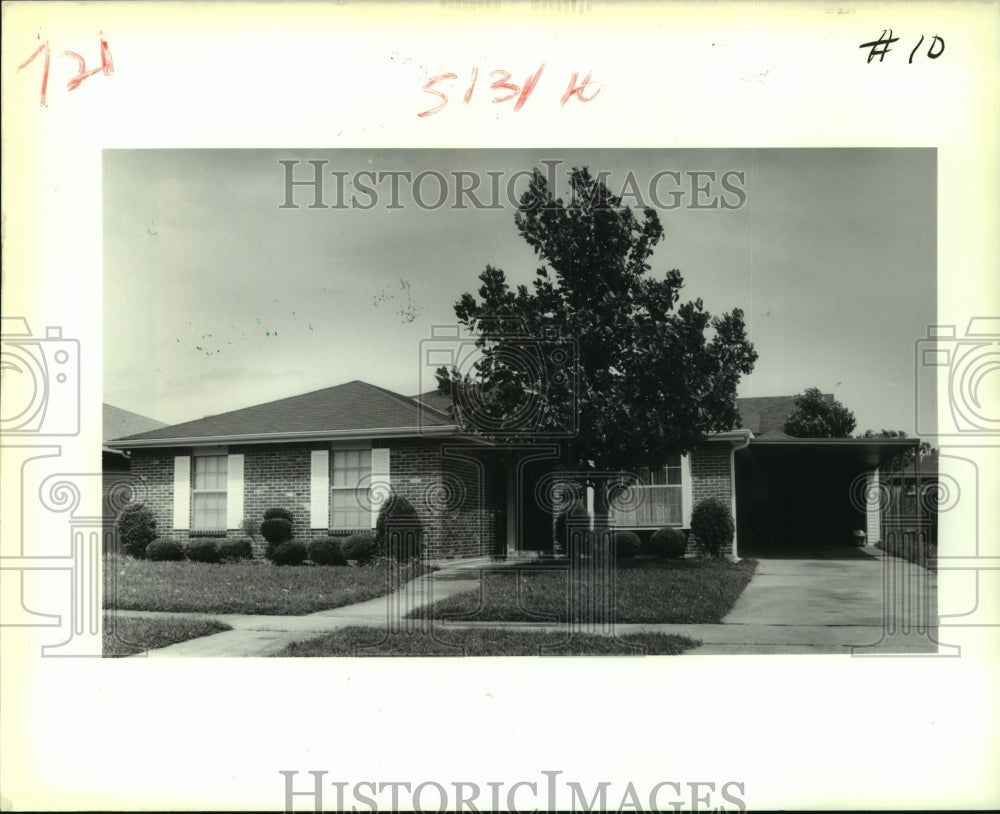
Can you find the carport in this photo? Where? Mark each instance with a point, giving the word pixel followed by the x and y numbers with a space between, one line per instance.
pixel 798 496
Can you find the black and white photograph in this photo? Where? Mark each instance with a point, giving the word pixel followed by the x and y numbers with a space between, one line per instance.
pixel 506 406
pixel 518 402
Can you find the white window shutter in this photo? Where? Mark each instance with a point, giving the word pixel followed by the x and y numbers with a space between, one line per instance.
pixel 234 492
pixel 182 492
pixel 319 489
pixel 380 479
pixel 686 491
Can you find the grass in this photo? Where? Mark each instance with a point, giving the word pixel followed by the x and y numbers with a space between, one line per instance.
pixel 128 635
pixel 368 641
pixel 645 591
pixel 247 587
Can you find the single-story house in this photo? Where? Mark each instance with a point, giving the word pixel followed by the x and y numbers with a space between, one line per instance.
pixel 331 456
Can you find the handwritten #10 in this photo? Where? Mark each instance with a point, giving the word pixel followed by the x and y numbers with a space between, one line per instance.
pixel 585 90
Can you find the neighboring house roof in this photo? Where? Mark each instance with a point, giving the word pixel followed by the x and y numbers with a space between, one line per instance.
pixel 117 422
pixel 352 409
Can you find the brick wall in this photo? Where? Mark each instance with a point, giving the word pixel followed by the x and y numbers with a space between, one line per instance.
pixel 711 476
pixel 453 494
pixel 155 468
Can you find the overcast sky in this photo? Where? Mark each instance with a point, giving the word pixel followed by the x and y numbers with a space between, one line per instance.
pixel 217 298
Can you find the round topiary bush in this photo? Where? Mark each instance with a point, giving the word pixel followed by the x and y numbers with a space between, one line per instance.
pixel 668 543
pixel 136 529
pixel 202 551
pixel 278 512
pixel 164 551
pixel 626 544
pixel 326 552
pixel 361 547
pixel 235 550
pixel 289 554
pixel 712 525
pixel 398 529
pixel 276 530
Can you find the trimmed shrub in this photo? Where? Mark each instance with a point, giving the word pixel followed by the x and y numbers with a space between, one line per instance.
pixel 399 522
pixel 276 513
pixel 361 547
pixel 164 551
pixel 276 530
pixel 626 544
pixel 326 552
pixel 239 549
pixel 289 554
pixel 667 544
pixel 202 551
pixel 136 529
pixel 712 525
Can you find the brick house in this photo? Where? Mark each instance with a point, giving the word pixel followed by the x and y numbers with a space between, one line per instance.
pixel 331 457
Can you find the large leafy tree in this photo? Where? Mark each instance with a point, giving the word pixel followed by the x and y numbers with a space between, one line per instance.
pixel 816 416
pixel 644 375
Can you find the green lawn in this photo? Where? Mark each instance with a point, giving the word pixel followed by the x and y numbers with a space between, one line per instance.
pixel 247 587
pixel 650 591
pixel 128 635
pixel 368 641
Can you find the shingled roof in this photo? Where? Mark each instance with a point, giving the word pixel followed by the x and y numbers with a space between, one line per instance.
pixel 355 407
pixel 359 408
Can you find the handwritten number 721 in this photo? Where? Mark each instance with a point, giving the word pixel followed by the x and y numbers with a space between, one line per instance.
pixel 107 66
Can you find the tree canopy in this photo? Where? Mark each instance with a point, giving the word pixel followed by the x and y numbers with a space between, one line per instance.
pixel 598 353
pixel 816 416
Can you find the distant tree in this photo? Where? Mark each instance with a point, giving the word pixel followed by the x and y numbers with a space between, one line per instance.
pixel 815 416
pixel 647 377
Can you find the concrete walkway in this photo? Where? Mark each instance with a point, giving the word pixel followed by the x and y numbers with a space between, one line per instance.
pixel 260 635
pixel 869 603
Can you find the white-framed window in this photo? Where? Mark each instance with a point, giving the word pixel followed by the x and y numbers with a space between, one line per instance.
pixel 350 477
pixel 208 492
pixel 657 500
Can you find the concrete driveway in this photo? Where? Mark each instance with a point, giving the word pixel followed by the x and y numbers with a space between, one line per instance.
pixel 861 601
